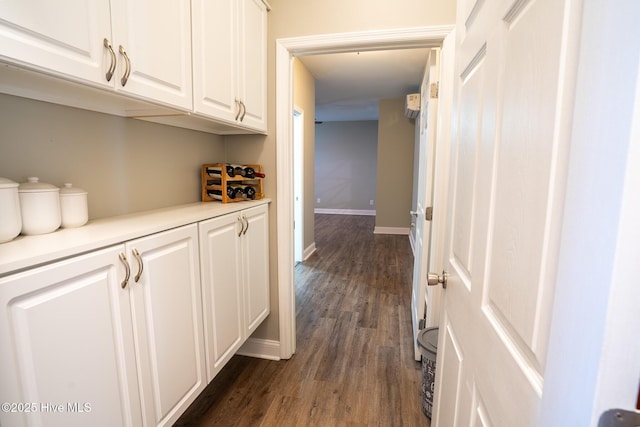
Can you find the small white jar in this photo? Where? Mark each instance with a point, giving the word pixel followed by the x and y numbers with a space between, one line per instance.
pixel 39 207
pixel 73 206
pixel 10 219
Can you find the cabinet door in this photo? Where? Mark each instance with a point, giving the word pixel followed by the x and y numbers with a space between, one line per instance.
pixel 156 36
pixel 167 317
pixel 62 37
pixel 66 345
pixel 252 85
pixel 215 67
pixel 222 289
pixel 256 266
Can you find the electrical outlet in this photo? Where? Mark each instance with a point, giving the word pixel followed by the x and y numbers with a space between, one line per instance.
pixel 371 202
pixel 318 201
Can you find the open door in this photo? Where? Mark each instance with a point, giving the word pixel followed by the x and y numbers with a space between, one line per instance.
pixel 426 163
pixel 509 162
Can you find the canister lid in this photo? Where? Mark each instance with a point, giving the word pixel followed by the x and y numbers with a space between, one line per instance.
pixel 33 185
pixel 7 183
pixel 70 190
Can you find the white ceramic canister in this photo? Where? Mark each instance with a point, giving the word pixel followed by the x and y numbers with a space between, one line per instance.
pixel 73 206
pixel 10 220
pixel 40 207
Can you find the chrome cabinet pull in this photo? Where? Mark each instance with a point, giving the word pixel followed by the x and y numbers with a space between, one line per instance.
pixel 112 67
pixel 140 264
pixel 241 226
pixel 127 71
pixel 238 108
pixel 127 273
pixel 244 111
pixel 246 221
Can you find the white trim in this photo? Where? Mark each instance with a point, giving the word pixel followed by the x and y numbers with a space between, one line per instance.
pixel 344 211
pixel 391 230
pixel 285 50
pixel 399 38
pixel 267 5
pixel 309 251
pixel 262 349
pixel 298 180
pixel 284 188
pixel 412 242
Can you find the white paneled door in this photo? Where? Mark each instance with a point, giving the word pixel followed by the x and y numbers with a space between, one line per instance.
pixel 426 157
pixel 508 166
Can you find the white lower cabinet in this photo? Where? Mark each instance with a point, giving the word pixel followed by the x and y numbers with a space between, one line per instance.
pixel 86 341
pixel 166 306
pixel 234 252
pixel 66 339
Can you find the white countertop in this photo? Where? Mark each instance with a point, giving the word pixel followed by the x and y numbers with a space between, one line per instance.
pixel 28 251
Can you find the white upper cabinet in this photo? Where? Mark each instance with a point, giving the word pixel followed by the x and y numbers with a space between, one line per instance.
pixel 135 58
pixel 229 60
pixel 253 63
pixel 141 47
pixel 152 44
pixel 61 37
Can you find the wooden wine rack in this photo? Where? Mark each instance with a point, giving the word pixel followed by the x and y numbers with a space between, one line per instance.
pixel 221 183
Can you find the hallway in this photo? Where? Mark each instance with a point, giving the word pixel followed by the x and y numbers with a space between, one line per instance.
pixel 353 364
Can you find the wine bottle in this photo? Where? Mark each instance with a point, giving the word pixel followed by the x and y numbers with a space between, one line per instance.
pixel 232 193
pixel 237 170
pixel 244 191
pixel 216 171
pixel 250 172
pixel 215 194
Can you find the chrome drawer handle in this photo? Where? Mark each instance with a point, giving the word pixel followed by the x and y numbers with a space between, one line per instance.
pixel 127 273
pixel 140 264
pixel 127 70
pixel 112 67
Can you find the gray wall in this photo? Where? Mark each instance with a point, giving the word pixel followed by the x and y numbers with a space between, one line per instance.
pixel 395 165
pixel 346 165
pixel 126 165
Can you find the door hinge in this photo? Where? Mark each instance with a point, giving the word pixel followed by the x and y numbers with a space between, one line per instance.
pixel 428 214
pixel 619 418
pixel 433 90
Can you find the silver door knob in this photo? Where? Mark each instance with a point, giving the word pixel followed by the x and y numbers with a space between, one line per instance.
pixel 435 279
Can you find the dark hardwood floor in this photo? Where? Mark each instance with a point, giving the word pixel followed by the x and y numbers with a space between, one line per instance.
pixel 354 359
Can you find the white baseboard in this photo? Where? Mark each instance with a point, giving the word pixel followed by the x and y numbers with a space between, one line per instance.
pixel 261 348
pixel 344 211
pixel 308 251
pixel 391 230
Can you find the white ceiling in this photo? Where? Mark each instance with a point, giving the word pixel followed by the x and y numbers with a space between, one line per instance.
pixel 349 85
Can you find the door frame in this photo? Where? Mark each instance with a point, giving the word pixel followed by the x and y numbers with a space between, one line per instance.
pixel 286 50
pixel 298 182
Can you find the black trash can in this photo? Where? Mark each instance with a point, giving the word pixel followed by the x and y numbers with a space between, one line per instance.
pixel 428 345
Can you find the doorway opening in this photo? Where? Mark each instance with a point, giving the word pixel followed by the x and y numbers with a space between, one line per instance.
pixel 286 49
